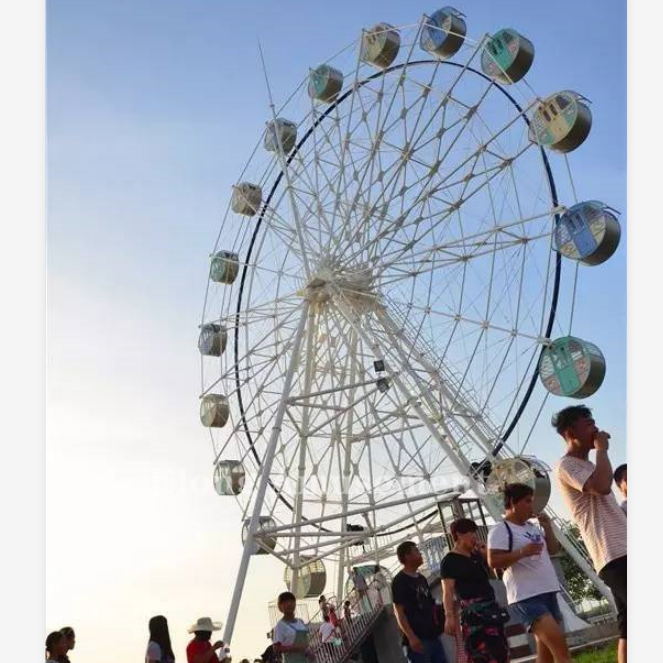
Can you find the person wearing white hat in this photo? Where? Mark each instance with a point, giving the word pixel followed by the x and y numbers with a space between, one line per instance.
pixel 200 649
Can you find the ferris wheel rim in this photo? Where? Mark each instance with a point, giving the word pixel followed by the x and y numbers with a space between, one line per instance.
pixel 254 235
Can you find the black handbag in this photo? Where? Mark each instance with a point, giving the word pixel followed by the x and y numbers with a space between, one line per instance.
pixel 485 613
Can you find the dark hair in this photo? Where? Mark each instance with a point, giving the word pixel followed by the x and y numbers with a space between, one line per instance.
pixel 68 632
pixel 514 492
pixel 462 526
pixel 347 603
pixel 404 549
pixel 285 596
pixel 53 639
pixel 203 635
pixel 565 418
pixel 159 633
pixel 322 598
pixel 619 474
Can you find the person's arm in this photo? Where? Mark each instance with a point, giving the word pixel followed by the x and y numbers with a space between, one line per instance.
pixel 551 540
pixel 600 481
pixel 502 559
pixel 448 599
pixel 404 625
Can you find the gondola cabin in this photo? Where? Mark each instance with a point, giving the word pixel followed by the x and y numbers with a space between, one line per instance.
pixel 311 580
pixel 507 56
pixel 380 45
pixel 281 134
pixel 214 410
pixel 572 367
pixel 562 122
pixel 246 199
pixel 229 477
pixel 224 267
pixel 267 542
pixel 588 232
pixel 212 340
pixel 324 83
pixel 443 33
pixel 526 470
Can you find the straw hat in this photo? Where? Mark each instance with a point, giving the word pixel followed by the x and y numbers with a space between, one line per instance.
pixel 205 624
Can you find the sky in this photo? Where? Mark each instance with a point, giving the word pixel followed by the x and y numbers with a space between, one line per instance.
pixel 153 109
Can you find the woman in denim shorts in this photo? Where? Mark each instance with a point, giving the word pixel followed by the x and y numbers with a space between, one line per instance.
pixel 522 550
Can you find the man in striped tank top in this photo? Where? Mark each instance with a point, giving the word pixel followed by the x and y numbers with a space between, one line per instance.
pixel 587 490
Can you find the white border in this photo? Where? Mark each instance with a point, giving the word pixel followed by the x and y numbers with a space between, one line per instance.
pixel 22 330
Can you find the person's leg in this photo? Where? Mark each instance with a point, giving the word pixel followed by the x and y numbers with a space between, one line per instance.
pixel 543 654
pixel 615 576
pixel 548 631
pixel 434 651
pixel 621 650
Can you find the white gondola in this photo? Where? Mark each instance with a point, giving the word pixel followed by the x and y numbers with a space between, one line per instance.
pixel 443 32
pixel 561 122
pixel 214 410
pixel 507 56
pixel 225 267
pixel 572 367
pixel 588 232
pixel 212 340
pixel 229 477
pixel 524 469
pixel 267 543
pixel 246 199
pixel 280 132
pixel 312 578
pixel 325 83
pixel 380 45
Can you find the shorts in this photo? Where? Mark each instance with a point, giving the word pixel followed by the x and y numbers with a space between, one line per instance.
pixel 532 609
pixel 613 574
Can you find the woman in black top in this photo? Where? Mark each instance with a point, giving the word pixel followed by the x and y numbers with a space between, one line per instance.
pixel 465 575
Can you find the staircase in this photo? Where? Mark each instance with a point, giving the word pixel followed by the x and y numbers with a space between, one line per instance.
pixel 365 612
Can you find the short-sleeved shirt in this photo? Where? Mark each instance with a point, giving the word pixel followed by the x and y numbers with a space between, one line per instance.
pixel 529 576
pixel 286 633
pixel 196 647
pixel 327 630
pixel 470 574
pixel 413 593
pixel 601 521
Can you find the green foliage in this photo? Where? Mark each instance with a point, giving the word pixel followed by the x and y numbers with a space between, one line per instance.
pixel 579 585
pixel 604 655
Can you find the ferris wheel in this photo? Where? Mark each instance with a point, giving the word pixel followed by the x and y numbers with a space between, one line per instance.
pixel 391 292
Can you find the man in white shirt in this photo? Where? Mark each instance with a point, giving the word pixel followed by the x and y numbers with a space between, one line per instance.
pixel 587 490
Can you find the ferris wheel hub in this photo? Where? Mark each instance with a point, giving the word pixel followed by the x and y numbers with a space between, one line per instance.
pixel 332 282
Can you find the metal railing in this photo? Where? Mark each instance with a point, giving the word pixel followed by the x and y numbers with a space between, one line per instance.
pixel 350 632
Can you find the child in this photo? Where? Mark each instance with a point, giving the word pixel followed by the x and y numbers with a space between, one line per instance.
pixel 290 633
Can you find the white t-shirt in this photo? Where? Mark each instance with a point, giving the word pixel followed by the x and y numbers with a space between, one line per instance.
pixel 286 632
pixel 601 522
pixel 327 630
pixel 529 576
pixel 153 652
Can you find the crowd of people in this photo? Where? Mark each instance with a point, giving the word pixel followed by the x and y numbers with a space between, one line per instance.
pixel 59 644
pixel 520 552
